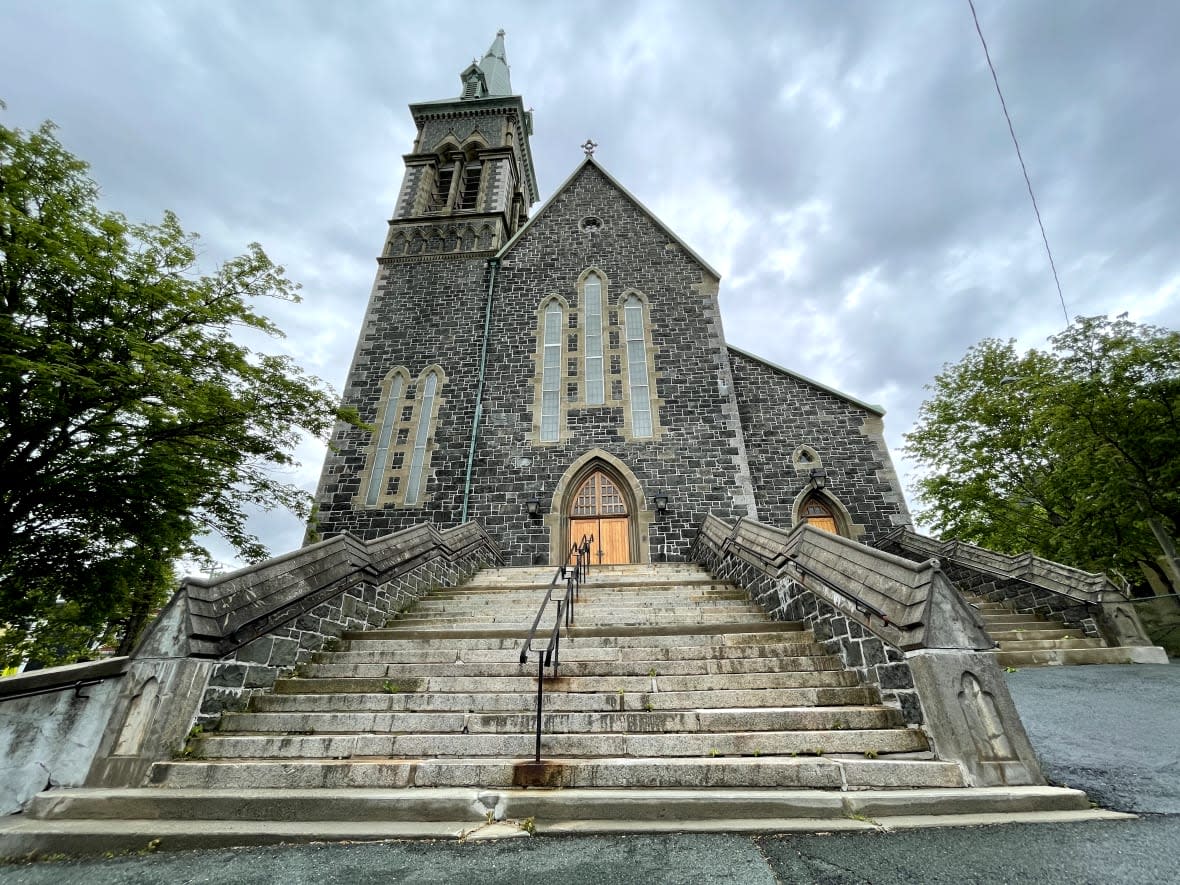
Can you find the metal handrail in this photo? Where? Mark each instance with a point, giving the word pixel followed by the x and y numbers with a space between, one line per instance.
pixel 550 655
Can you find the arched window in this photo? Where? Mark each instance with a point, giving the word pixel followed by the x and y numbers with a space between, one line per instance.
pixel 637 377
pixel 421 437
pixel 551 374
pixel 384 436
pixel 815 512
pixel 592 310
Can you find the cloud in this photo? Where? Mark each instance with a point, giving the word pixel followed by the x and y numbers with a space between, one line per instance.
pixel 847 166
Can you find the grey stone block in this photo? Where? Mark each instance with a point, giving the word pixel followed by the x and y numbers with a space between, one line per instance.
pixel 283 653
pixel 231 675
pixel 971 719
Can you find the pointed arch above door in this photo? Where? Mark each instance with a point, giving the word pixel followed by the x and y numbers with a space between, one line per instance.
pixel 600 514
pixel 598 494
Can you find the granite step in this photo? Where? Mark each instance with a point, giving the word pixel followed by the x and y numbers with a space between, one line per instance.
pixel 1011 621
pixel 501 745
pixel 727 636
pixel 391 653
pixel 568 668
pixel 1013 645
pixel 1003 636
pixel 571 684
pixel 582 702
pixel 583 618
pixel 90 821
pixel 458 804
pixel 729 719
pixel 706 631
pixel 1123 654
pixel 812 772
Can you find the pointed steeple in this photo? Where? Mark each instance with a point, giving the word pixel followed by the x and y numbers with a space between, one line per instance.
pixel 495 67
pixel 488 78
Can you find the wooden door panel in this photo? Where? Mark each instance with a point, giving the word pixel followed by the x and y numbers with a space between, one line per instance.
pixel 823 522
pixel 580 527
pixel 616 547
pixel 599 509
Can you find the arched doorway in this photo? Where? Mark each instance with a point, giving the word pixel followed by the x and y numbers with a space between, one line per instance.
pixel 817 513
pixel 599 510
pixel 560 520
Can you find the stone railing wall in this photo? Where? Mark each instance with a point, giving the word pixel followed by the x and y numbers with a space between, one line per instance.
pixel 214 645
pixel 271 620
pixel 51 722
pixel 1026 583
pixel 902 626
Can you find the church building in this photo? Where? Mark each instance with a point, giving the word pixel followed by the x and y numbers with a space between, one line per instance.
pixel 565 374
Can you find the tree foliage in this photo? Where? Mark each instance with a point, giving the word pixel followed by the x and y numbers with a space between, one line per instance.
pixel 1072 452
pixel 133 421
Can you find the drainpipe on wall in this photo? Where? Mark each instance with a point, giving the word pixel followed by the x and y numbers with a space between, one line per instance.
pixel 483 366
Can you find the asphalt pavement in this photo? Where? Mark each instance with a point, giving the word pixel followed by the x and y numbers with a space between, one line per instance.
pixel 1113 731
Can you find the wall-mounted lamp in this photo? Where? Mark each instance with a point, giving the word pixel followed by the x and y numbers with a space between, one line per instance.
pixel 819 477
pixel 533 506
pixel 661 502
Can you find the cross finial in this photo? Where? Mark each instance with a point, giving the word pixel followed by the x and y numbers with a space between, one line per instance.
pixel 589 147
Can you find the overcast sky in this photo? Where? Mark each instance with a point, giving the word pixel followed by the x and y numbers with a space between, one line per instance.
pixel 845 165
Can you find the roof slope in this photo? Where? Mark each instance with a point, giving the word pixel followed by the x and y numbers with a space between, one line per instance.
pixel 591 162
pixel 848 398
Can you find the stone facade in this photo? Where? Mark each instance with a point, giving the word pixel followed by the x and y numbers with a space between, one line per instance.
pixel 784 415
pixel 462 291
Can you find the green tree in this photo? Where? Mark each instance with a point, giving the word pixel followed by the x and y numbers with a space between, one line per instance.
pixel 1072 452
pixel 133 421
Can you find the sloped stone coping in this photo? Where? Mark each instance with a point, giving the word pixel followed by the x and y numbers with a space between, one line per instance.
pixel 68 677
pixel 219 642
pixel 1053 576
pixel 1089 601
pixel 902 626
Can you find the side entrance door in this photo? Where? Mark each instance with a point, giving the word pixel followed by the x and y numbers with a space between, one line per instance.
pixel 600 510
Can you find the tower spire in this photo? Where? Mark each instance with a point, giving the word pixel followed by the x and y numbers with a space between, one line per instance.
pixel 495 67
pixel 489 77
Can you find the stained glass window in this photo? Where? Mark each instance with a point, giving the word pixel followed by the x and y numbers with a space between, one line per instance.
pixel 425 408
pixel 551 374
pixel 592 300
pixel 637 368
pixel 384 435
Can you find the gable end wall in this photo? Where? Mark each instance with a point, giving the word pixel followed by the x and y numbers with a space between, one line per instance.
pixel 780 413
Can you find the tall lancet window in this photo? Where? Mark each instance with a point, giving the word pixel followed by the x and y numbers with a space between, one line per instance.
pixel 592 309
pixel 384 437
pixel 637 377
pixel 421 436
pixel 551 375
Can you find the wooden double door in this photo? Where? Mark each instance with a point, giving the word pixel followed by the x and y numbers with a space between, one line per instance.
pixel 600 510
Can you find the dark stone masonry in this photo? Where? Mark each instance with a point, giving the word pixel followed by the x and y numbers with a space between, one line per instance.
pixel 633 395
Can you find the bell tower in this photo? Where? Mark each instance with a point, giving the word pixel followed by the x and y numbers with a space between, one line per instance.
pixel 420 359
pixel 469 182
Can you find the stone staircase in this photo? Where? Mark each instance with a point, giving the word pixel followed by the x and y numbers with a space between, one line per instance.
pixel 1039 612
pixel 669 679
pixel 677 704
pixel 1031 640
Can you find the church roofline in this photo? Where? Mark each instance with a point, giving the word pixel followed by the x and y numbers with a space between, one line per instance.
pixel 875 409
pixel 590 161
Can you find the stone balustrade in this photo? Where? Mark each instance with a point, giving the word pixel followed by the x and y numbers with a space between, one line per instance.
pixel 901 625
pixel 214 645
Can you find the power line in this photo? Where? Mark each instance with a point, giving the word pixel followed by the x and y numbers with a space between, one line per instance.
pixel 1020 157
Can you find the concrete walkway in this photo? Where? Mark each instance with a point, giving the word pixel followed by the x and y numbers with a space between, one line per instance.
pixel 1113 731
